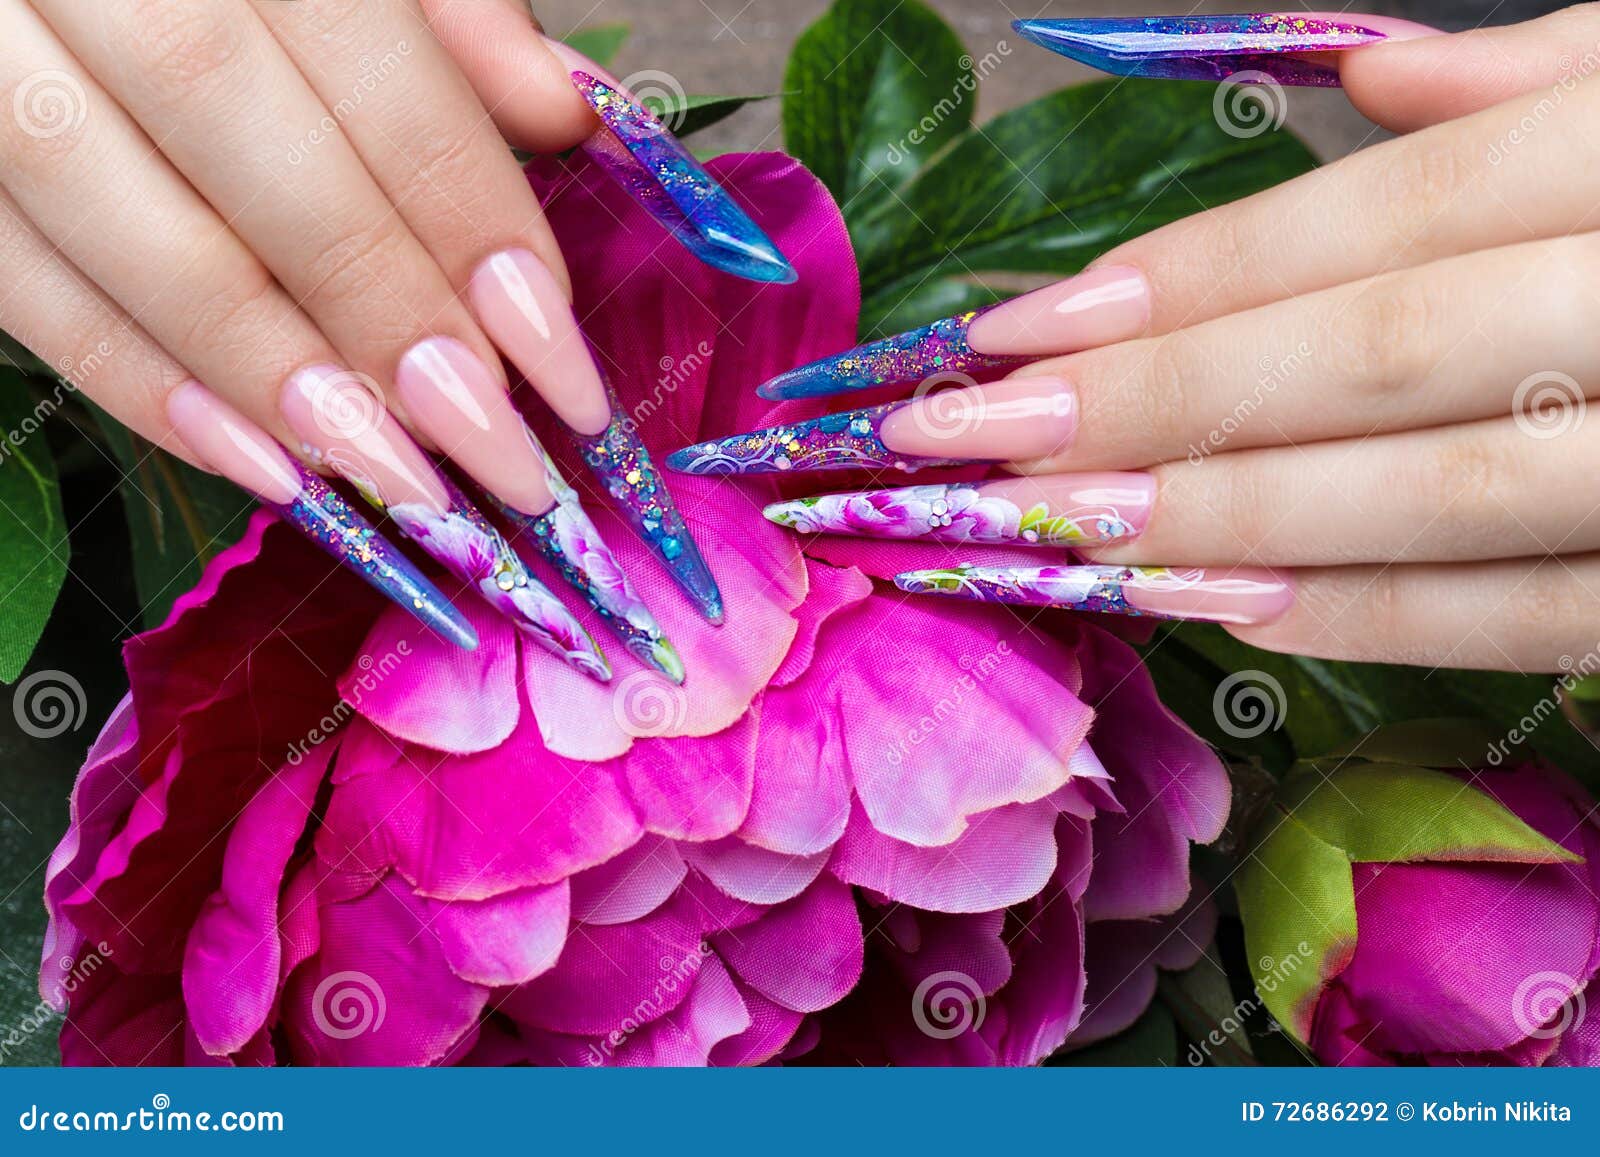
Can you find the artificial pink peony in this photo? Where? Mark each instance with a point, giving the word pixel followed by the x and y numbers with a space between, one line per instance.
pixel 867 829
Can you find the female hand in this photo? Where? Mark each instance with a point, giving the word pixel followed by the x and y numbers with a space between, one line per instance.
pixel 1374 376
pixel 307 207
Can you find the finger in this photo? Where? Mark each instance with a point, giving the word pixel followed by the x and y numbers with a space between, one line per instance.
pixel 519 80
pixel 231 112
pixel 1408 84
pixel 1482 181
pixel 1515 614
pixel 417 124
pixel 94 345
pixel 1495 489
pixel 1449 342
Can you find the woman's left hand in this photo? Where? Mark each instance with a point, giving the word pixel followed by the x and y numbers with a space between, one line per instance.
pixel 1373 376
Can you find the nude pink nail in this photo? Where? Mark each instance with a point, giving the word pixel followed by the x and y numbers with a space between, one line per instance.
pixel 1010 420
pixel 458 402
pixel 231 444
pixel 521 306
pixel 1093 309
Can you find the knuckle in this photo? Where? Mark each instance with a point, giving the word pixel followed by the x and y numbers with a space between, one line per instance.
pixel 361 256
pixel 1158 397
pixel 1385 334
pixel 233 318
pixel 1454 487
pixel 448 178
pixel 185 48
pixel 1420 177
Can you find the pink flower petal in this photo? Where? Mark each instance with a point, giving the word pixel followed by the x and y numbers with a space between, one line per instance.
pixel 750 873
pixel 506 940
pixel 630 885
pixel 805 954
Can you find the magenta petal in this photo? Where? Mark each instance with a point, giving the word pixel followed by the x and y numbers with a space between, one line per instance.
pixel 771 1028
pixel 630 885
pixel 380 990
pixel 805 954
pixel 972 946
pixel 800 800
pixel 616 978
pixel 231 959
pixel 694 789
pixel 424 689
pixel 1121 959
pixel 713 1012
pixel 754 874
pixel 506 940
pixel 833 589
pixel 1004 857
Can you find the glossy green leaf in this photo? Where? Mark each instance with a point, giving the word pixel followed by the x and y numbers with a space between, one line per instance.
pixel 600 42
pixel 873 89
pixel 33 528
pixel 178 517
pixel 693 113
pixel 1298 906
pixel 1202 1002
pixel 1384 812
pixel 1047 187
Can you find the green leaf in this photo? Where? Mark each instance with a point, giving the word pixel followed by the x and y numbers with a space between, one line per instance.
pixel 1386 813
pixel 1046 187
pixel 1202 1003
pixel 693 113
pixel 1150 1040
pixel 1298 905
pixel 33 528
pixel 600 42
pixel 1451 744
pixel 178 517
pixel 874 88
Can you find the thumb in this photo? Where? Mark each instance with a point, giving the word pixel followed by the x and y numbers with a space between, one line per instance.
pixel 522 83
pixel 1407 84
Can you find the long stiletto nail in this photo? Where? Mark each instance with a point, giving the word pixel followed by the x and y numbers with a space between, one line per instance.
pixel 341 421
pixel 458 402
pixel 640 153
pixel 242 452
pixel 1213 47
pixel 1096 308
pixel 1010 420
pixel 1241 597
pixel 1070 510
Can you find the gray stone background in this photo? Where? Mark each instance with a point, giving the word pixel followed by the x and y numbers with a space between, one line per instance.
pixel 739 46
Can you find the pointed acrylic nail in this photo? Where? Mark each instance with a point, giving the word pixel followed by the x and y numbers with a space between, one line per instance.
pixel 233 445
pixel 1010 420
pixel 1068 510
pixel 618 457
pixel 1207 47
pixel 1241 597
pixel 457 401
pixel 1092 309
pixel 641 154
pixel 341 422
pixel 568 540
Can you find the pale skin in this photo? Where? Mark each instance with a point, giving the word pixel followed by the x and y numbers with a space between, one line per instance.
pixel 199 221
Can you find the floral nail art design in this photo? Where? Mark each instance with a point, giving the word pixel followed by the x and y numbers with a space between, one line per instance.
pixel 1203 47
pixel 329 521
pixel 937 348
pixel 569 541
pixel 1080 588
pixel 957 512
pixel 641 154
pixel 464 541
pixel 619 459
pixel 848 441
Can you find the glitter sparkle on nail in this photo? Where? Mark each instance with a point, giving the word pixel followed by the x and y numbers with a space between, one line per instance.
pixel 848 441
